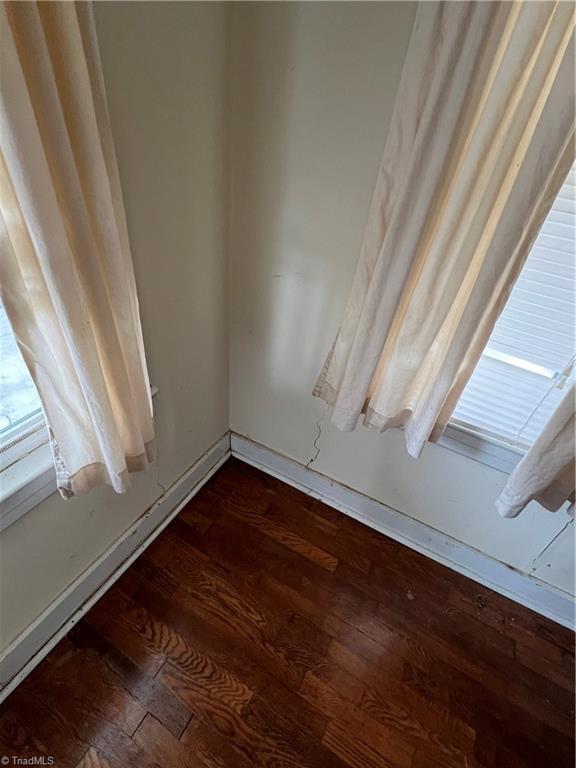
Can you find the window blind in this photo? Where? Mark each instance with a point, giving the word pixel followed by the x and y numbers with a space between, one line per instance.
pixel 521 376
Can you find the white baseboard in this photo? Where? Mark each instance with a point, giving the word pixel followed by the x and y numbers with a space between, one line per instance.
pixel 29 648
pixel 518 586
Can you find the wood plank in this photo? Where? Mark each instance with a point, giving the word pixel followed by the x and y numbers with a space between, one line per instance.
pixel 209 688
pixel 17 739
pixel 500 721
pixel 149 692
pixel 323 533
pixel 366 749
pixel 182 634
pixel 256 742
pixel 275 528
pixel 358 726
pixel 83 690
pixel 388 701
pixel 211 748
pixel 161 745
pixel 93 759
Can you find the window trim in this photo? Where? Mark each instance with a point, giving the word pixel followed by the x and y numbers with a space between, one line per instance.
pixel 480 446
pixel 26 482
pixel 20 439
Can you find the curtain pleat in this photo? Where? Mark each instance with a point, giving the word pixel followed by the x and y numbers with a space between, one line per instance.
pixel 480 141
pixel 546 473
pixel 66 276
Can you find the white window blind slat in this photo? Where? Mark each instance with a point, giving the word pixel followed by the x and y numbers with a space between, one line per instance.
pixel 559 217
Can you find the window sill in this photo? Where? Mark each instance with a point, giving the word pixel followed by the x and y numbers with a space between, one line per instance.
pixel 484 448
pixel 25 484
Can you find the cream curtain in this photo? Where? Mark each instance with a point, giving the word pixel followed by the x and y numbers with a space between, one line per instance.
pixel 66 273
pixel 480 141
pixel 546 472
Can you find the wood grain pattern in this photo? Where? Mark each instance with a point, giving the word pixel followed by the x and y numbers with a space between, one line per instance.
pixel 265 629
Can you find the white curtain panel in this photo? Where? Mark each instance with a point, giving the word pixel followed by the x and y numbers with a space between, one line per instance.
pixel 546 472
pixel 66 272
pixel 480 141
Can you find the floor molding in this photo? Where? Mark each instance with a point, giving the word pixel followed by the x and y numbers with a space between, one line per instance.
pixel 30 647
pixel 520 587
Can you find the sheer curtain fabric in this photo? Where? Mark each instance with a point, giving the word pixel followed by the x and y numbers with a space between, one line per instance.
pixel 66 272
pixel 546 472
pixel 480 141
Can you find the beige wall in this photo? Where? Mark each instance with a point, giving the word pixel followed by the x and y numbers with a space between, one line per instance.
pixel 164 70
pixel 311 93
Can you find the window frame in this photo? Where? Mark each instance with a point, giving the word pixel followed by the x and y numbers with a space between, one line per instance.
pixel 505 450
pixel 21 438
pixel 27 473
pixel 481 446
pixel 26 470
pixel 490 448
pixel 487 447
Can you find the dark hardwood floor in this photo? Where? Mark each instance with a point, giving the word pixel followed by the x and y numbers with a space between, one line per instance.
pixel 263 628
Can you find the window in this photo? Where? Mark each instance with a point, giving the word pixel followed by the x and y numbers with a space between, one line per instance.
pixel 19 401
pixel 523 372
pixel 20 408
pixel 26 471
